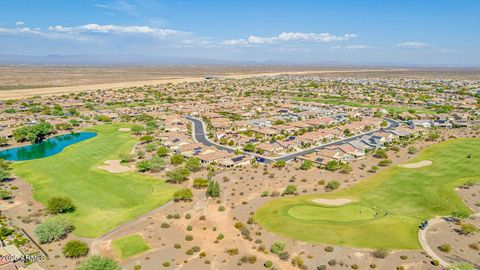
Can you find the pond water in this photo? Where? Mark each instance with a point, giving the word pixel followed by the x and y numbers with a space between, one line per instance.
pixel 46 148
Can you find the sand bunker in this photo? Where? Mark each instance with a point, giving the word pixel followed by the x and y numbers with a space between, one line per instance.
pixel 335 202
pixel 415 165
pixel 114 166
pixel 124 129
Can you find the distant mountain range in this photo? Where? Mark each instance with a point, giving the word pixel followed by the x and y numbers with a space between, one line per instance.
pixel 133 59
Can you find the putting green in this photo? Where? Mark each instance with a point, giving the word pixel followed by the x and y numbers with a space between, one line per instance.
pixel 103 200
pixel 400 199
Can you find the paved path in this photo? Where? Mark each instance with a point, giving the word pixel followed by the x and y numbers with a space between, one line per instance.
pixel 199 135
pixel 422 238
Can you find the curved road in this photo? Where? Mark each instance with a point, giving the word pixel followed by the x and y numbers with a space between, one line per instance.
pixel 199 134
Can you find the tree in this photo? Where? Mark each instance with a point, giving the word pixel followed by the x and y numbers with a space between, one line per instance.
pixel 306 165
pixel 332 165
pixel 75 249
pixel 99 263
pixel 347 132
pixel 183 195
pixel 59 205
pixel 34 134
pixel 249 147
pixel 279 163
pixel 178 175
pixel 290 189
pixel 144 166
pixel 193 164
pixel 213 189
pixel 177 159
pixel 384 123
pixel 162 151
pixel 53 229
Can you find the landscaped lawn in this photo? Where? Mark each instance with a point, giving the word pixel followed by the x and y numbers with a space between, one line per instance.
pixel 401 198
pixel 130 245
pixel 103 200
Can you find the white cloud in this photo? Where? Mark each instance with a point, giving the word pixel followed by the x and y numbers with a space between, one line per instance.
pixel 117 29
pixel 356 47
pixel 19 23
pixel 289 37
pixel 413 45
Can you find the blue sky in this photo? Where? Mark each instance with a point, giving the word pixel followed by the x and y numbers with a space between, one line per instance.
pixel 424 32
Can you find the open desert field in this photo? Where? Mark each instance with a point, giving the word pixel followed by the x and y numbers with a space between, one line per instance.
pixel 25 81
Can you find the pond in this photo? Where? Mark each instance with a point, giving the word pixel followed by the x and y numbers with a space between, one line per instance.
pixel 46 148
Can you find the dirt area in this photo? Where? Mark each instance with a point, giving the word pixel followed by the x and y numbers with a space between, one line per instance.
pixel 334 202
pixel 21 81
pixel 416 165
pixel 124 129
pixel 115 166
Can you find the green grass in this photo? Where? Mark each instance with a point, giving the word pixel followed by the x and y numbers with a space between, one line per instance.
pixel 103 200
pixel 407 196
pixel 393 109
pixel 130 245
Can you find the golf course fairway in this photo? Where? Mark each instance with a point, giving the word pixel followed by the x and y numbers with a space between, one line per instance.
pixel 102 200
pixel 386 208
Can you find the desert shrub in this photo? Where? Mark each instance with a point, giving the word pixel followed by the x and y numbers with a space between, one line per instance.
pixel 177 175
pixel 332 262
pixel 188 238
pixel 200 182
pixel 98 262
pixel 277 247
pixel 284 255
pixel 53 229
pixel 177 159
pixel 332 185
pixel 165 225
pixel 445 248
pixel 290 189
pixel 75 249
pixel 232 251
pixel 268 264
pixel 468 228
pixel 177 246
pixel 185 195
pixel 380 253
pixel 59 205
pixel 346 168
pixel 329 249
